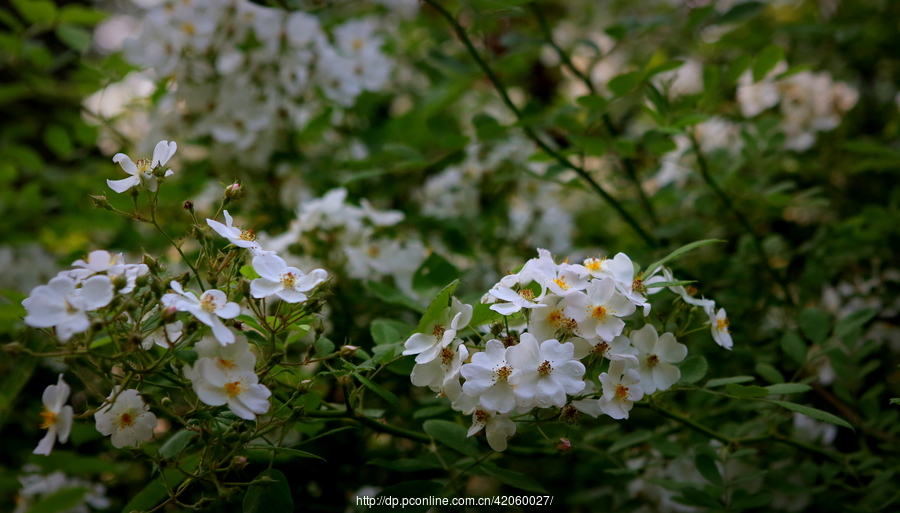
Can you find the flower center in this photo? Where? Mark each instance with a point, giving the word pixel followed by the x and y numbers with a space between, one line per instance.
pixel 594 264
pixel 125 420
pixel 722 325
pixel 208 303
pixel 373 251
pixel 561 281
pixel 143 165
pixel 438 331
pixel 356 44
pixel 228 364
pixel 601 348
pixel 188 29
pixel 447 355
pixel 481 416
pixel 569 414
pixel 527 294
pixel 248 235
pixel 691 290
pixel 638 285
pixel 503 373
pixel 652 360
pixel 288 280
pixel 49 419
pixel 622 392
pixel 545 368
pixel 234 388
pixel 598 312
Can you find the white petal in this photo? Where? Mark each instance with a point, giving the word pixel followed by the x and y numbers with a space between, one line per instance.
pixel 261 287
pixel 269 266
pixel 126 163
pixel 123 184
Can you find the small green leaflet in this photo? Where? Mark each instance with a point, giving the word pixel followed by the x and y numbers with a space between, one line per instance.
pixel 437 306
pixel 677 253
pixel 385 394
pixel 814 413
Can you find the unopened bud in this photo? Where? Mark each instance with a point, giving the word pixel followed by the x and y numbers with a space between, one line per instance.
pixel 188 205
pixel 213 280
pixel 120 282
pixel 234 191
pixel 134 192
pixel 238 462
pixel 101 202
pixel 238 325
pixel 244 286
pixel 13 348
pixel 564 445
pixel 165 401
pixel 184 278
pixel 150 262
pixel 496 329
pixel 348 351
pixel 142 280
pixel 158 288
pixel 168 315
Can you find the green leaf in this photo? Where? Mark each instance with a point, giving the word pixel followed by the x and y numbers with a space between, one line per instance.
pixel 593 146
pixel 249 272
pixel 769 373
pixel 677 253
pixel 269 493
pixel 766 61
pixel 743 500
pixel 592 102
pixel 431 411
pixel 725 381
pixel 75 37
pixel 814 413
pixel 393 296
pixel 324 347
pixel 188 356
pixel 57 139
pixel 36 11
pixel 794 346
pixel 61 500
pixel 513 478
pixel 676 283
pixel 80 15
pixel 434 273
pixel 486 127
pixel 895 400
pixel 393 495
pixel 482 314
pixel 666 66
pixel 788 388
pixel 693 369
pixel 385 394
pixel 452 435
pixel 383 332
pixel 625 82
pixel 746 392
pixel 856 320
pixel 174 445
pixel 287 450
pixel 737 67
pixel 698 497
pixel 741 12
pixel 708 469
pixel 815 324
pixel 437 306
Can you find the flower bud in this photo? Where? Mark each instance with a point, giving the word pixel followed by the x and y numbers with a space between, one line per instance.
pixel 142 281
pixel 213 280
pixel 168 315
pixel 238 462
pixel 496 329
pixel 188 205
pixel 158 288
pixel 234 191
pixel 348 351
pixel 133 341
pixel 564 445
pixel 151 263
pixel 244 286
pixel 238 325
pixel 101 202
pixel 120 282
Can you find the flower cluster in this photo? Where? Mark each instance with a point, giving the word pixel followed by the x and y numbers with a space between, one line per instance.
pixel 809 101
pixel 244 73
pixel 563 322
pixel 137 305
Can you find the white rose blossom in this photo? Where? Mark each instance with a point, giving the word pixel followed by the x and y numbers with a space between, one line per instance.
pixel 57 416
pixel 142 171
pixel 440 372
pixel 241 238
pixel 208 309
pixel 597 310
pixel 621 388
pixel 217 384
pixel 61 305
pixel 277 279
pixel 498 428
pixel 127 419
pixel 545 373
pixel 438 335
pixel 487 377
pixel 720 327
pixel 656 356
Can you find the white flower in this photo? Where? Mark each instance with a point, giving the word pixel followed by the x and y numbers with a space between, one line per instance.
pixel 545 373
pixel 618 348
pixel 706 304
pixel 127 419
pixel 487 378
pixel 101 261
pixel 60 304
pixel 57 416
pixel 277 279
pixel 211 305
pixel 621 387
pixel 597 310
pixel 516 300
pixel 622 270
pixel 560 279
pixel 438 335
pixel 235 357
pixel 240 238
pixel 438 373
pixel 655 355
pixel 164 336
pixel 238 388
pixel 142 171
pixel 498 428
pixel 720 330
pixel 551 321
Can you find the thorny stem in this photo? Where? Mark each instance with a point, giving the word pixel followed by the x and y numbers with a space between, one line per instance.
pixel 563 161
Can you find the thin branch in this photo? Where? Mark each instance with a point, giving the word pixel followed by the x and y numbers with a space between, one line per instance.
pixel 563 161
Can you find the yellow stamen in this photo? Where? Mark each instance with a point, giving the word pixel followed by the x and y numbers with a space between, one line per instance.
pixel 49 419
pixel 234 388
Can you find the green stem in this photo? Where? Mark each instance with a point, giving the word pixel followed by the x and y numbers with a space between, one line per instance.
pixel 177 248
pixel 561 160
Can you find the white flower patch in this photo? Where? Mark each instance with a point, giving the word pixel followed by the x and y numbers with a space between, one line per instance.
pixel 62 305
pixel 545 373
pixel 277 279
pixel 56 415
pixel 127 419
pixel 208 309
pixel 142 171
